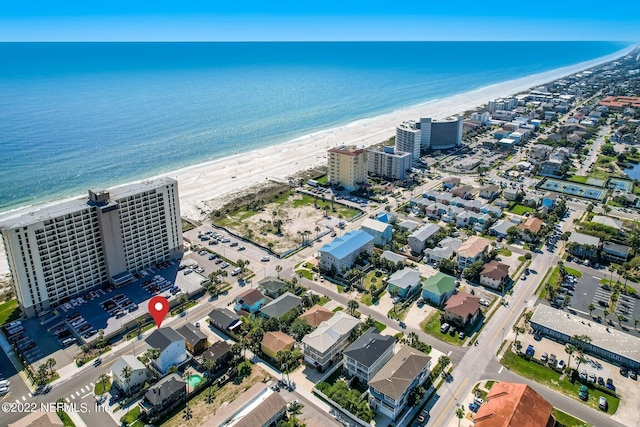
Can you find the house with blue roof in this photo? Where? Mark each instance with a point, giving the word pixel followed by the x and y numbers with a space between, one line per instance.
pixel 380 231
pixel 385 217
pixel 342 252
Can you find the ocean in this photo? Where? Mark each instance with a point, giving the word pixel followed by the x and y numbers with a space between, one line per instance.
pixel 75 116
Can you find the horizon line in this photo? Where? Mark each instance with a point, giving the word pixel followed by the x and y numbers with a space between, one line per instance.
pixel 322 41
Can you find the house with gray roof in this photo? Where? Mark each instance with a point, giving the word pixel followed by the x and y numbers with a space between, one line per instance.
pixel 404 283
pixel 194 339
pixel 164 395
pixel 324 344
pixel 419 239
pixel 394 257
pixel 500 228
pixel 452 213
pixel 608 221
pixel 272 287
pixel 582 245
pixel 171 344
pixel 224 319
pixel 615 251
pixel 444 250
pixel 281 306
pixel 389 389
pixel 137 370
pixel 409 225
pixel 367 354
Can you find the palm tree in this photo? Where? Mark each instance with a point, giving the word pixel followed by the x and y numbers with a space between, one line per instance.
pixel 518 330
pixel 635 323
pixel 591 307
pixel 152 354
pixel 605 313
pixel 103 379
pixel 459 414
pixel 278 270
pixel 295 408
pixel 126 374
pixel 413 338
pixel 569 348
pixel 444 361
pixel 50 363
pixel 353 306
pixel 620 319
pixel 41 375
pixel 317 230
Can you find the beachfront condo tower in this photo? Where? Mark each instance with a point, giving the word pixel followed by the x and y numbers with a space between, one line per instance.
pixel 440 134
pixel 389 163
pixel 65 249
pixel 408 139
pixel 347 166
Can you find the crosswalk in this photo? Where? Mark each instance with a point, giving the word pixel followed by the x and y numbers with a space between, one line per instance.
pixel 77 394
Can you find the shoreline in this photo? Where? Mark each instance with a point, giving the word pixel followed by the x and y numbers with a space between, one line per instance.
pixel 201 186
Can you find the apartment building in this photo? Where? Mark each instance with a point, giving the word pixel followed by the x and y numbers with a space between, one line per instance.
pixel 408 139
pixel 62 250
pixel 347 166
pixel 389 163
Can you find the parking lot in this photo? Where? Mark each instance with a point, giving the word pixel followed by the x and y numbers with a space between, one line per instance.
pixel 588 290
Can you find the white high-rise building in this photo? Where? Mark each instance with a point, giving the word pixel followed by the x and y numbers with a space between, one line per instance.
pixel 389 163
pixel 59 251
pixel 441 134
pixel 408 139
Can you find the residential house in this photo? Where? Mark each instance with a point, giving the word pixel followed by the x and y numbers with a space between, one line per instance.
pixel 494 274
pixel 275 341
pixel 164 395
pixel 532 200
pixel 473 249
pixel 582 245
pixel 549 201
pixel 451 214
pixel 419 239
pixel 280 306
pixel 435 210
pixel 321 346
pixel 540 152
pixel 138 373
pixel 195 341
pixel 451 182
pixel 250 301
pixel 510 193
pixel 491 210
pixel 490 191
pixel 385 217
pixel 462 309
pixel 394 257
pixel 437 289
pixel 171 344
pixel 608 221
pixel 272 287
pixel 219 353
pixel 482 222
pixel 409 225
pixel 389 389
pixel 473 205
pixel 316 315
pixel 404 283
pixel 463 191
pixel 444 250
pixel 615 252
pixel 380 231
pixel 261 407
pixel 550 167
pixel 224 319
pixel 530 229
pixel 500 228
pixel 367 354
pixel 341 254
pixel 444 198
pixel 511 404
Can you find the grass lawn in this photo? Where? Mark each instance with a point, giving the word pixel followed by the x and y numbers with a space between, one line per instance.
pixel 489 384
pixel 578 179
pixel 551 378
pixel 505 252
pixel 555 280
pixel 323 300
pixel 371 279
pixel 340 289
pixel 323 179
pixel 399 313
pixel 131 416
pixel 380 326
pixel 521 209
pixel 567 420
pixel 431 325
pixel 305 273
pixel 341 210
pixel 9 311
pixel 66 421
pixel 338 308
pixel 98 389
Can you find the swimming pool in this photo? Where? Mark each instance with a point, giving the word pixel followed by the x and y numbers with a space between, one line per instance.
pixel 194 380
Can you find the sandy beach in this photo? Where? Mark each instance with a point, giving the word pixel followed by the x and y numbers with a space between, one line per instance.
pixel 203 187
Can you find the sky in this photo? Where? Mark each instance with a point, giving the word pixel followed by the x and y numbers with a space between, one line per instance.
pixel 325 20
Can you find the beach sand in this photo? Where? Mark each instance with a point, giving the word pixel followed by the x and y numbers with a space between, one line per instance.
pixel 202 187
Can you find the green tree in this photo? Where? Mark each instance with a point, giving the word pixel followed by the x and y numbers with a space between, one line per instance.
pixel 415 396
pixel 244 369
pixel 278 269
pixel 299 328
pixel 51 362
pixel 459 414
pixel 126 374
pixel 103 379
pixel 353 305
pixel 591 307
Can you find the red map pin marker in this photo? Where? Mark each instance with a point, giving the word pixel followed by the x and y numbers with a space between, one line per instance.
pixel 158 309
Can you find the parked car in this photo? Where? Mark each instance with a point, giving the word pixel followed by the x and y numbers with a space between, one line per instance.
pixel 561 364
pixel 603 403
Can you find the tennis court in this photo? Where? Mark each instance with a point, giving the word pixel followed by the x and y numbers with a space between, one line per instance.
pixel 573 189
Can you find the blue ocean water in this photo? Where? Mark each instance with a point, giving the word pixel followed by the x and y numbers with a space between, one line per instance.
pixel 79 115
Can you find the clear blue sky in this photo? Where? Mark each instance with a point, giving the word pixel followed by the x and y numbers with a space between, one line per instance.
pixel 238 20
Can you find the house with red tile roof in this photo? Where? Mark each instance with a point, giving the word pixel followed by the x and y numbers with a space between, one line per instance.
pixel 512 404
pixel 462 309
